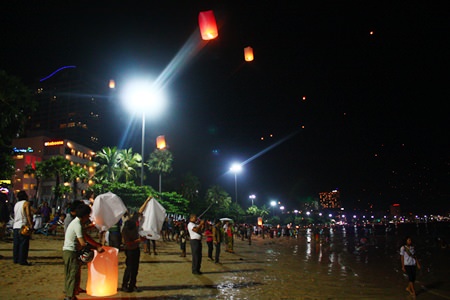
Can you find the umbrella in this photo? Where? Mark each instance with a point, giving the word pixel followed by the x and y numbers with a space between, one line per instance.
pixel 226 219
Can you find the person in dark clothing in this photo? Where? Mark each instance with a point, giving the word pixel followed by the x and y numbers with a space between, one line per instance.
pixel 217 239
pixel 131 240
pixel 4 214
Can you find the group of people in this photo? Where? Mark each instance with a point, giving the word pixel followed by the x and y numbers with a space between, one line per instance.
pixel 77 239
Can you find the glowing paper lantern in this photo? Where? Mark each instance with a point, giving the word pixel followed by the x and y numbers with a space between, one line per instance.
pixel 248 53
pixel 260 221
pixel 103 273
pixel 207 24
pixel 161 142
pixel 112 84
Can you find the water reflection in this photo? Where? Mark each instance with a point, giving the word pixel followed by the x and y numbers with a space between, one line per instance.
pixel 329 264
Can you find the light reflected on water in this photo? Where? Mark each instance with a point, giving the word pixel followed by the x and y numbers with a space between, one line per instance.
pixel 328 267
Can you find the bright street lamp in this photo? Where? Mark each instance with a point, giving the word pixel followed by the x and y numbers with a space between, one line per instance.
pixel 235 168
pixel 273 204
pixel 252 197
pixel 143 96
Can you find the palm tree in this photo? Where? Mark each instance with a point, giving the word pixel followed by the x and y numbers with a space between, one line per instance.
pixel 37 171
pixel 160 162
pixel 75 174
pixel 29 170
pixel 57 167
pixel 264 211
pixel 218 199
pixel 128 163
pixel 190 188
pixel 109 160
pixel 253 210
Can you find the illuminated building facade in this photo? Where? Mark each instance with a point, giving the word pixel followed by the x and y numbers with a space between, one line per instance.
pixel 395 210
pixel 330 200
pixel 28 151
pixel 67 108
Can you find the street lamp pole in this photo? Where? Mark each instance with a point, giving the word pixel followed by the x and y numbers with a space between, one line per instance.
pixel 252 197
pixel 273 204
pixel 235 186
pixel 142 148
pixel 141 96
pixel 235 168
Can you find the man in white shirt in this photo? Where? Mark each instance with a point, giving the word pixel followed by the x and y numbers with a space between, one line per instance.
pixel 195 233
pixel 75 240
pixel 22 216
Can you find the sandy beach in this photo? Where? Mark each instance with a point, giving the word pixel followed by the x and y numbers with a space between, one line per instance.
pixel 279 268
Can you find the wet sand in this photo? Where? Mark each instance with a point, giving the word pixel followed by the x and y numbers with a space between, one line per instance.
pixel 279 268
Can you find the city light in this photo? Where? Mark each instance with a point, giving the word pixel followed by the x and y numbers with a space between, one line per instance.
pixel 141 96
pixel 252 197
pixel 235 168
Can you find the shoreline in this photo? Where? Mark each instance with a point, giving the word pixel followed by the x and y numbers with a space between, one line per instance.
pixel 278 268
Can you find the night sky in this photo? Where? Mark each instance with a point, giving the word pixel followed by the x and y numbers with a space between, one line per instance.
pixel 374 123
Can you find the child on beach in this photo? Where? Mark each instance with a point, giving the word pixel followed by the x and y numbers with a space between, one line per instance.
pixel 409 263
pixel 131 239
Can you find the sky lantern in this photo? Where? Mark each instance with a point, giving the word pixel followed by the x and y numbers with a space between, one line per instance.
pixel 161 142
pixel 112 84
pixel 103 273
pixel 248 53
pixel 207 24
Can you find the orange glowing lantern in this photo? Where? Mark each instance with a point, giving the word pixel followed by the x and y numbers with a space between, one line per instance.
pixel 207 24
pixel 248 54
pixel 160 142
pixel 103 273
pixel 260 221
pixel 112 84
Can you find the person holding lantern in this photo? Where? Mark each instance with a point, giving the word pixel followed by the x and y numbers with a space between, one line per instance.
pixel 76 239
pixel 132 240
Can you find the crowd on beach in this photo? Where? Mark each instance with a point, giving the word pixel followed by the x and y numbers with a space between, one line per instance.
pixel 126 237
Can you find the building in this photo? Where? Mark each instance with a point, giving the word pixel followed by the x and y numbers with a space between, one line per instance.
pixel 28 151
pixel 395 211
pixel 330 200
pixel 67 108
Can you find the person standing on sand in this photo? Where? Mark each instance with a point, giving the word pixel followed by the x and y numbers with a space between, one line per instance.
pixel 409 263
pixel 217 239
pixel 22 216
pixel 195 233
pixel 131 240
pixel 74 240
pixel 182 237
pixel 209 240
